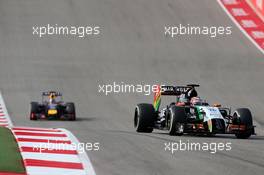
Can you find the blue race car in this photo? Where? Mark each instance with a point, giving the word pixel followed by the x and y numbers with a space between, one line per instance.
pixel 52 107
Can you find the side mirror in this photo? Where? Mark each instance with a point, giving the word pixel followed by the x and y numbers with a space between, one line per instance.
pixel 217 105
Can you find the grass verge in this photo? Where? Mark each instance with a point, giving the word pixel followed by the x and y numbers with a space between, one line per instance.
pixel 10 157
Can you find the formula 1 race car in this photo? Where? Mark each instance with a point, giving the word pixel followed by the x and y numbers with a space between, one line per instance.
pixel 52 107
pixel 190 114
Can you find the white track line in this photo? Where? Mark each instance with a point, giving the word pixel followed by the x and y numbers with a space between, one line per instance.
pixel 47 138
pixel 39 146
pixel 51 157
pixel 54 152
pixel 50 171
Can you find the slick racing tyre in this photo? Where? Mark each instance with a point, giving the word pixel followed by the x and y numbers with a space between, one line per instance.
pixel 34 110
pixel 70 111
pixel 177 119
pixel 243 116
pixel 144 118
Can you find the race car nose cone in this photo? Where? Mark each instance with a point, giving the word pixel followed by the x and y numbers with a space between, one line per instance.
pixel 52 112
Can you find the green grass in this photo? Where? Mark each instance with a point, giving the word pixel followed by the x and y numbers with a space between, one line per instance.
pixel 10 157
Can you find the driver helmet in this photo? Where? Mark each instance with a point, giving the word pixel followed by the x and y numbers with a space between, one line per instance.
pixel 183 99
pixel 52 97
pixel 196 101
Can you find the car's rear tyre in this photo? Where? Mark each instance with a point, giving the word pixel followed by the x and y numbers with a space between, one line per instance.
pixel 244 117
pixel 144 118
pixel 177 120
pixel 70 111
pixel 34 110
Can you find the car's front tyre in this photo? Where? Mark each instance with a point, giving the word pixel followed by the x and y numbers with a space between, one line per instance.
pixel 144 118
pixel 177 120
pixel 244 117
pixel 34 111
pixel 70 111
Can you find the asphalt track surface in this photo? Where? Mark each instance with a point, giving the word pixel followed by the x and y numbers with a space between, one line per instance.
pixel 131 48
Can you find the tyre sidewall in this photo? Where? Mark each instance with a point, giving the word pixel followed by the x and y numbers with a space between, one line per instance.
pixel 177 119
pixel 70 111
pixel 244 117
pixel 144 117
pixel 34 110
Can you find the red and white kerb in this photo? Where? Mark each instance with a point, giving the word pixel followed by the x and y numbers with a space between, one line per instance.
pixel 50 151
pixel 246 19
pixel 4 117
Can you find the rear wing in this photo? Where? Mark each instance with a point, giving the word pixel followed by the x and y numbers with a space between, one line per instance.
pixel 171 91
pixel 174 90
pixel 51 92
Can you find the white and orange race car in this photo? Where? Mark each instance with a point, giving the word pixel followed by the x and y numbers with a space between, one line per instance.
pixel 190 114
